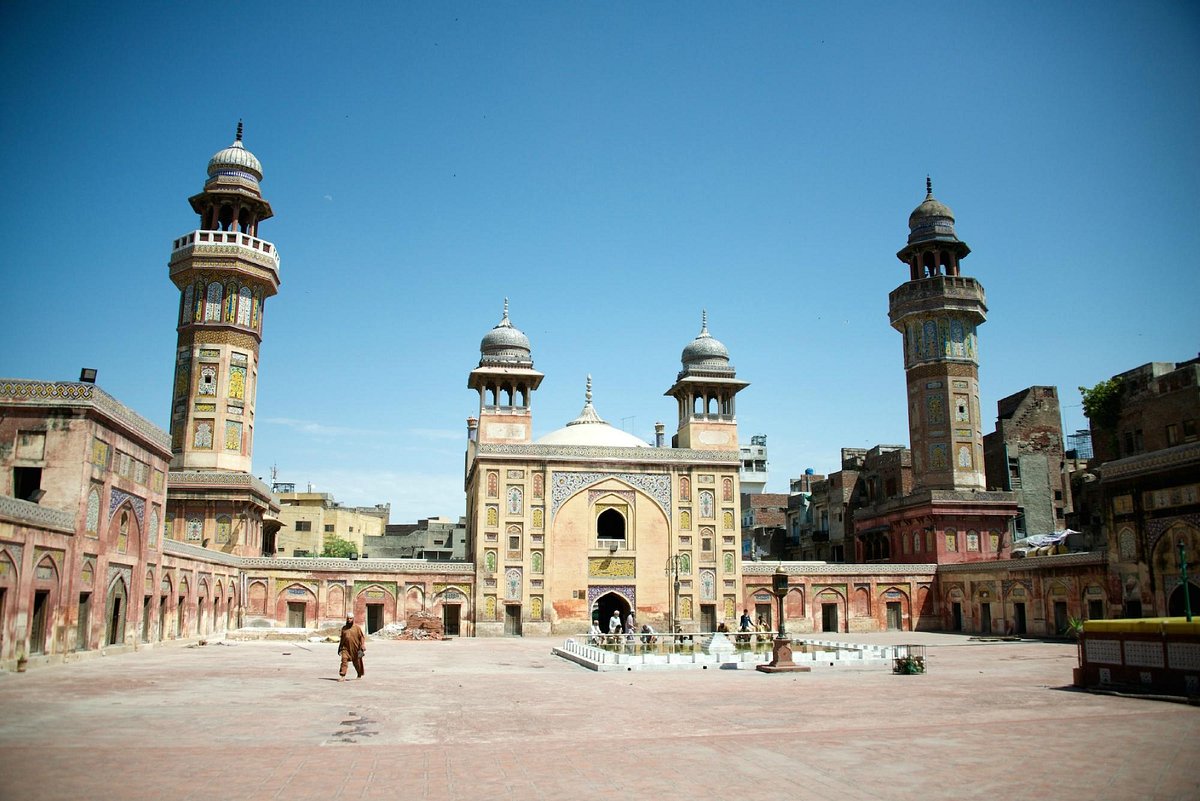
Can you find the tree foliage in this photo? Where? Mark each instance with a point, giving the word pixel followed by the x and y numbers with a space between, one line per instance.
pixel 337 547
pixel 1102 403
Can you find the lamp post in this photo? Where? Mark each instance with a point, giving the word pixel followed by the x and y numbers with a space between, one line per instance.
pixel 672 572
pixel 781 653
pixel 1187 591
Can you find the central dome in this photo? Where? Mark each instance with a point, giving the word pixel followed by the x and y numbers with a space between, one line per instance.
pixel 590 431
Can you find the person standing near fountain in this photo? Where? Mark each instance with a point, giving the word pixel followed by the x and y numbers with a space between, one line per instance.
pixel 614 623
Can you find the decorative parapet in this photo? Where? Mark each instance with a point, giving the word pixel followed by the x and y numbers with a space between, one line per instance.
pixel 837 569
pixel 177 548
pixel 326 564
pixel 204 479
pixel 78 395
pixel 25 513
pixel 611 454
pixel 1153 462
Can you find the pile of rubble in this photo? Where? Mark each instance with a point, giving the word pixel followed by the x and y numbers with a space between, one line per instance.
pixel 423 626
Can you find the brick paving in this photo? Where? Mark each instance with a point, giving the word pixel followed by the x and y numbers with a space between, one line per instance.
pixel 503 719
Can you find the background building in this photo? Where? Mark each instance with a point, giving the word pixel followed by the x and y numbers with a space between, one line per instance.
pixel 435 539
pixel 308 520
pixel 754 465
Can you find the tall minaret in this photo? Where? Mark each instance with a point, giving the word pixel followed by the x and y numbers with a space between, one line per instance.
pixel 704 390
pixel 937 311
pixel 505 380
pixel 224 273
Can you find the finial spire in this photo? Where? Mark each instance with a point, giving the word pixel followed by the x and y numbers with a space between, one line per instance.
pixel 239 132
pixel 588 394
pixel 928 186
pixel 505 319
pixel 703 322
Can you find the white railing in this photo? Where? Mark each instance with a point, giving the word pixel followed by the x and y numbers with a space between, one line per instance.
pixel 612 545
pixel 226 238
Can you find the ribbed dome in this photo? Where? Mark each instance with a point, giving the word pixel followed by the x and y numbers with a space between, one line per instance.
pixel 705 349
pixel 504 343
pixel 235 159
pixel 932 219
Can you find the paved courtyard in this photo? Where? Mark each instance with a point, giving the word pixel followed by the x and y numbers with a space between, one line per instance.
pixel 503 719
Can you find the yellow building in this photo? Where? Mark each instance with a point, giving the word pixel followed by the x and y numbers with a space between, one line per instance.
pixel 588 520
pixel 310 518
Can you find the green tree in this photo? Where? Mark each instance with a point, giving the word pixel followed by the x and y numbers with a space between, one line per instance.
pixel 337 547
pixel 1102 403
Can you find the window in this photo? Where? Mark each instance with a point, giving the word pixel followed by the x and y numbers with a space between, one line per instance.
pixel 1172 435
pixel 1189 430
pixel 1019 523
pixel 610 525
pixel 27 483
pixel 328 528
pixel 514 542
pixel 303 525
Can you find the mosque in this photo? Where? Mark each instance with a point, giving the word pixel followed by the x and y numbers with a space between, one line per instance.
pixel 116 535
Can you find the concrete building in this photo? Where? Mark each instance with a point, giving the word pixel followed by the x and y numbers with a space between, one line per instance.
pixel 754 465
pixel 308 519
pixel 434 539
pixel 588 520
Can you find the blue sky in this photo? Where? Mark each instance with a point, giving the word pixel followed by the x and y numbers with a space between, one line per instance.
pixel 612 168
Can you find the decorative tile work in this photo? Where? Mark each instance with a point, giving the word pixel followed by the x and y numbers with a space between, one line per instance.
pixel 489 561
pixel 685 520
pixel 707 505
pixel 708 585
pixel 515 501
pixel 493 516
pixel 237 382
pixel 224 529
pixel 121 572
pixel 536 562
pixel 515 474
pixel 512 584
pixel 727 520
pixel 639 455
pixel 629 496
pixel 233 435
pixel 535 607
pixel 685 608
pixel 729 562
pixel 685 564
pixel 93 512
pixel 610 567
pixel 202 434
pixel 626 591
pixel 566 484
pixel 539 517
pixel 195 529
pixel 117 497
pixel 539 485
pixel 1143 654
pixel 706 479
pixel 1106 651
pixel 489 607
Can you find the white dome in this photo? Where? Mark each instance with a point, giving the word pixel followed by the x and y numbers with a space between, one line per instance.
pixel 595 434
pixel 589 430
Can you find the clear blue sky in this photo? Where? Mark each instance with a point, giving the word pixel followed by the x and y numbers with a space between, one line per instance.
pixel 613 168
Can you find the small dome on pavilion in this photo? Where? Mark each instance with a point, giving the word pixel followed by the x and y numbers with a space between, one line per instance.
pixel 235 160
pixel 932 219
pixel 705 350
pixel 505 342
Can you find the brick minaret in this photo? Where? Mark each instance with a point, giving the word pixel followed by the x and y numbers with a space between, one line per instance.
pixel 937 311
pixel 224 273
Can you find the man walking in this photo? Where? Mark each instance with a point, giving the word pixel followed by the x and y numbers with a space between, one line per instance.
pixel 352 648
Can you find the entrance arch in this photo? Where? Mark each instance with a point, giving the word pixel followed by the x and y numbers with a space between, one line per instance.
pixel 1175 604
pixel 605 605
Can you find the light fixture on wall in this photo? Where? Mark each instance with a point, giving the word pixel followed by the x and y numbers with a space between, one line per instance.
pixel 87 375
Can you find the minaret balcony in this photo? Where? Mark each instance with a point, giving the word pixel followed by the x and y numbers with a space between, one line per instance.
pixel 225 243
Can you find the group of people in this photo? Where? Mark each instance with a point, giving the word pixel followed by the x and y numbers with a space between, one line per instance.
pixel 746 625
pixel 615 628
